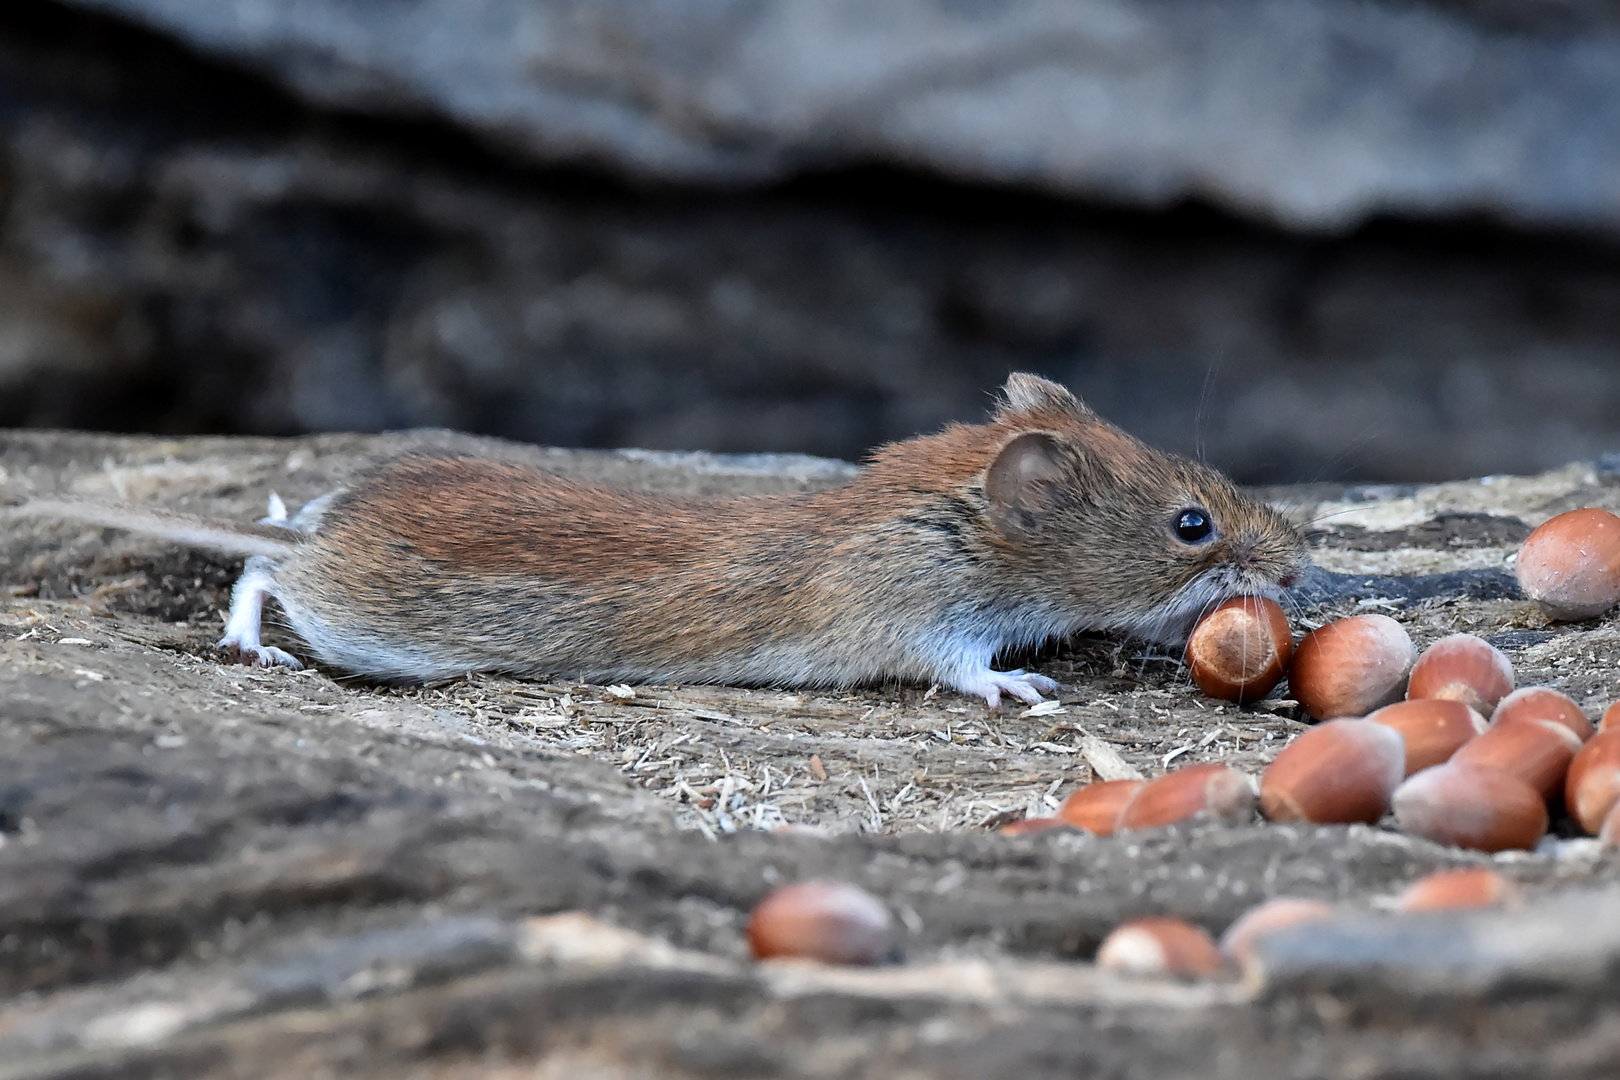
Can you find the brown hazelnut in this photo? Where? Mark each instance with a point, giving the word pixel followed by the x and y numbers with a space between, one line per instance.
pixel 1482 809
pixel 1159 946
pixel 1433 728
pixel 1570 565
pixel 1095 807
pixel 1543 703
pixel 1463 668
pixel 1240 650
pixel 1592 787
pixel 1218 790
pixel 1469 887
pixel 1337 772
pixel 1351 667
pixel 1275 914
pixel 1611 717
pixel 829 921
pixel 1536 751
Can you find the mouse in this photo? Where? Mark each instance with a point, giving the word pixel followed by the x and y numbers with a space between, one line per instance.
pixel 945 551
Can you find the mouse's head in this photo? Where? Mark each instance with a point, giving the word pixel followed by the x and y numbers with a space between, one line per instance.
pixel 1140 540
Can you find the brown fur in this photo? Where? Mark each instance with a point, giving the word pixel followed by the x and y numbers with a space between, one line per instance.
pixel 493 564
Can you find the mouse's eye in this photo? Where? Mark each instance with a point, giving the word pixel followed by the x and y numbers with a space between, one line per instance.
pixel 1193 526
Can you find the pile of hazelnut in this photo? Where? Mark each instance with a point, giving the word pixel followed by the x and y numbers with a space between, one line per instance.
pixel 1465 759
pixel 1442 740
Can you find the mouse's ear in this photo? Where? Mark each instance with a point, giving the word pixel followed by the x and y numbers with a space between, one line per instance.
pixel 1027 393
pixel 1019 484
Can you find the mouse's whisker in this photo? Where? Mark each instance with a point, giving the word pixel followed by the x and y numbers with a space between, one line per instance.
pixel 1205 396
pixel 1317 519
pixel 1362 438
pixel 1296 607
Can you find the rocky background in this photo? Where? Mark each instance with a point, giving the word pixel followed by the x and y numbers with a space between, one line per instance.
pixel 1308 239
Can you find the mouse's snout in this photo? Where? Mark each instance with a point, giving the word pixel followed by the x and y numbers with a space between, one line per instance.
pixel 1266 559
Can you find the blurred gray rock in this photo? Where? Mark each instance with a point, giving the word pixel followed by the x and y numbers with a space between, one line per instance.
pixel 1314 114
pixel 189 246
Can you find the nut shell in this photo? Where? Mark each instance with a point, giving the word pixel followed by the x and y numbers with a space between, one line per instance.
pixel 1335 773
pixel 1095 807
pixel 1432 728
pixel 1482 809
pixel 1536 751
pixel 1469 887
pixel 1611 717
pixel 1213 788
pixel 1570 565
pixel 1463 668
pixel 1159 946
pixel 1351 667
pixel 1275 914
pixel 1241 649
pixel 1592 787
pixel 830 921
pixel 1543 703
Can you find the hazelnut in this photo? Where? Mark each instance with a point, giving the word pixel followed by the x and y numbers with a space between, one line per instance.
pixel 1433 728
pixel 1351 667
pixel 1570 565
pixel 1611 717
pixel 1536 751
pixel 1469 887
pixel 1470 807
pixel 1543 703
pixel 1031 825
pixel 1240 650
pixel 1337 772
pixel 829 921
pixel 1274 914
pixel 1159 946
pixel 1592 787
pixel 1216 789
pixel 1095 807
pixel 1463 668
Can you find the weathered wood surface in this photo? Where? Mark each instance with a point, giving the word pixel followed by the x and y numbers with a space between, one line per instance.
pixel 213 870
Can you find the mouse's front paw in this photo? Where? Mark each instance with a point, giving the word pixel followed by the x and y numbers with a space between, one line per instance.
pixel 990 685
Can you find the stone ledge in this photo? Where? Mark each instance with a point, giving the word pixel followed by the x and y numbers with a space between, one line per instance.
pixel 213 870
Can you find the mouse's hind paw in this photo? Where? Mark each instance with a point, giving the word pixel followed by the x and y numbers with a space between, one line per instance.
pixel 257 655
pixel 247 610
pixel 990 685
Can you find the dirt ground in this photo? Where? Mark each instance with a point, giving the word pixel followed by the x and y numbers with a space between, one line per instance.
pixel 212 869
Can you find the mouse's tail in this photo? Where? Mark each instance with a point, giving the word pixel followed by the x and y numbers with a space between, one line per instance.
pixel 212 534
